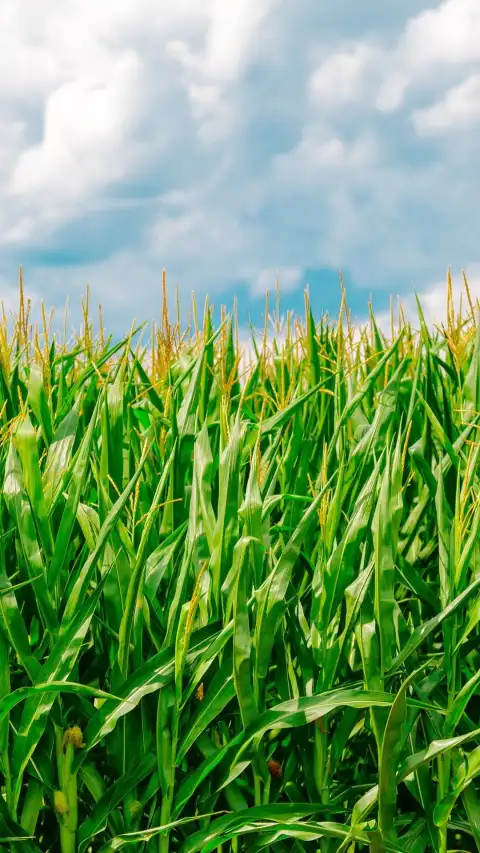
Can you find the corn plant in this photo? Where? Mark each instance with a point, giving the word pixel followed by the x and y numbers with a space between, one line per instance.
pixel 239 607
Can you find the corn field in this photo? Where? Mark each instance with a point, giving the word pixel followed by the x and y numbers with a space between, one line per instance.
pixel 240 606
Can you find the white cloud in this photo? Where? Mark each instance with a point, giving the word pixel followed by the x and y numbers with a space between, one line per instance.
pixel 195 237
pixel 340 78
pixel 458 110
pixel 86 126
pixel 434 42
pixel 392 90
pixel 234 35
pixel 360 180
pixel 445 34
pixel 223 141
pixel 326 154
pixel 92 73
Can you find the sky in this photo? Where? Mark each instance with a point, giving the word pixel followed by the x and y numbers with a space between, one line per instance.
pixel 231 141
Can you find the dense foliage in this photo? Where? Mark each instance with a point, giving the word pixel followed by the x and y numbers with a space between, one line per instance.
pixel 240 606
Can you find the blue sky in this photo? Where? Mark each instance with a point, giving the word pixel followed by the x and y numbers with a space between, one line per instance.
pixel 229 141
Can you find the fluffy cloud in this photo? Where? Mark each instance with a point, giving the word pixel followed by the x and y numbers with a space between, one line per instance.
pixel 434 44
pixel 458 110
pixel 87 77
pixel 231 41
pixel 438 41
pixel 340 78
pixel 394 203
pixel 86 125
pixel 228 141
pixel 444 34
